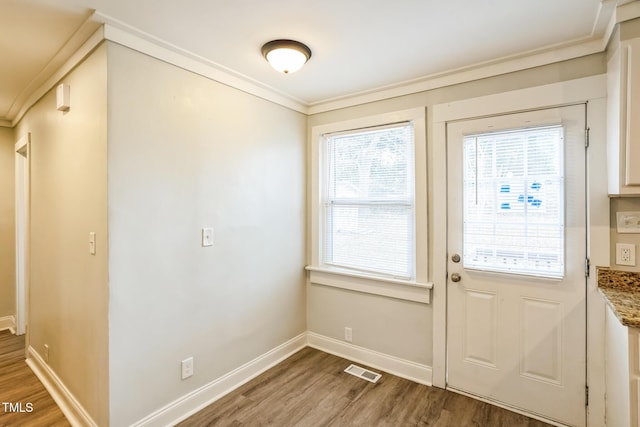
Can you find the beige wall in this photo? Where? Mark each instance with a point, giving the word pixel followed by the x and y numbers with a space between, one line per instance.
pixel 630 29
pixel 69 287
pixel 624 204
pixel 7 230
pixel 186 152
pixel 406 331
pixel 173 152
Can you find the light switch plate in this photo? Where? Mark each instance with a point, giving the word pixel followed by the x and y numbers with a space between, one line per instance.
pixel 92 242
pixel 207 236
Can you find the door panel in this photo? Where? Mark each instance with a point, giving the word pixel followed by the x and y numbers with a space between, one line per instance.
pixel 541 351
pixel 517 309
pixel 480 337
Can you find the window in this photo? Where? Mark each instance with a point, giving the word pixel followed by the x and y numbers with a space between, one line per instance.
pixel 514 201
pixel 368 200
pixel 369 205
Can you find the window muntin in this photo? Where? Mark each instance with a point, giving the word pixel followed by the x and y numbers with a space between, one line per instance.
pixel 514 202
pixel 368 200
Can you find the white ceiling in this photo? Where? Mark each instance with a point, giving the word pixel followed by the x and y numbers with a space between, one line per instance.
pixel 358 45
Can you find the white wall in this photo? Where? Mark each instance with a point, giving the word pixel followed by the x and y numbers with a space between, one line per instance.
pixel 7 230
pixel 68 286
pixel 407 329
pixel 187 152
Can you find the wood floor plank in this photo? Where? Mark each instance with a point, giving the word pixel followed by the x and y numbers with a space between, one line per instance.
pixel 18 384
pixel 311 389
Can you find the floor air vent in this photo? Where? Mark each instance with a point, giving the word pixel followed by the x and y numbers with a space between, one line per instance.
pixel 365 374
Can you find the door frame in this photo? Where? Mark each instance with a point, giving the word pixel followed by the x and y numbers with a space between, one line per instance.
pixel 591 90
pixel 22 212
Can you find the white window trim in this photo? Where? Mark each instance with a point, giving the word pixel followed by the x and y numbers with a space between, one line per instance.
pixel 417 290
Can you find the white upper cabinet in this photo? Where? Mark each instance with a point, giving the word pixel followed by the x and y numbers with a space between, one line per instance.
pixel 632 111
pixel 623 121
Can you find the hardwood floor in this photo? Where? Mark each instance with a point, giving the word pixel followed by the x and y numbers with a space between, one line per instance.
pixel 308 389
pixel 311 389
pixel 18 385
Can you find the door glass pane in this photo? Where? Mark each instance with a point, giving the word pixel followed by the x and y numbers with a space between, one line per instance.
pixel 513 201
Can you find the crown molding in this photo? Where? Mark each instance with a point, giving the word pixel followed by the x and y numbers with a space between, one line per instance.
pixel 98 27
pixel 604 24
pixel 505 65
pixel 118 32
pixel 79 45
pixel 131 37
pixel 606 19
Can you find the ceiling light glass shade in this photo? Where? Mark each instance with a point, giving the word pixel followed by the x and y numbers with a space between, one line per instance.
pixel 286 56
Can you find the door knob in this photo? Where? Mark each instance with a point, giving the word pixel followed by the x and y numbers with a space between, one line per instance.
pixel 455 277
pixel 455 258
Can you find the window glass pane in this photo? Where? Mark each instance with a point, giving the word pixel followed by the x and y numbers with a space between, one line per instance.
pixel 374 164
pixel 370 238
pixel 513 202
pixel 369 206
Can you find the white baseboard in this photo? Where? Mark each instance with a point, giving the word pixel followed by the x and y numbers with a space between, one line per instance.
pixel 193 402
pixel 8 322
pixel 394 365
pixel 68 404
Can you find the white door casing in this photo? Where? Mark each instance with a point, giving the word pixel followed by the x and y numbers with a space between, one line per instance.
pixel 519 340
pixel 21 228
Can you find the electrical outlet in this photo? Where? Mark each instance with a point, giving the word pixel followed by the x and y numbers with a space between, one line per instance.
pixel 348 334
pixel 46 353
pixel 187 368
pixel 625 254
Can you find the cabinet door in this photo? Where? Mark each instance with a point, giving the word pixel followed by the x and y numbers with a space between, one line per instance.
pixel 634 363
pixel 632 113
pixel 617 353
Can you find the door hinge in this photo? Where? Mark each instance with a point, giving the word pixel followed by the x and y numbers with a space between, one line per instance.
pixel 586 395
pixel 587 267
pixel 586 139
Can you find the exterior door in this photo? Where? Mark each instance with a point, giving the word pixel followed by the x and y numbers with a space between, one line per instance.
pixel 516 314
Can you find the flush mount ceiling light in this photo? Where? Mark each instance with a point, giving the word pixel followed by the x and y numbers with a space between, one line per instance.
pixel 286 56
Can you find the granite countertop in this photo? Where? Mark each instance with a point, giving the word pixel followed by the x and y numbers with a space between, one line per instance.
pixel 622 292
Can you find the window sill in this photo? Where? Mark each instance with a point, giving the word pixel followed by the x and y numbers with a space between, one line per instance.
pixel 393 288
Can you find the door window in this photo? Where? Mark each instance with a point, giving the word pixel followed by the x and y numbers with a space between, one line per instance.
pixel 513 201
